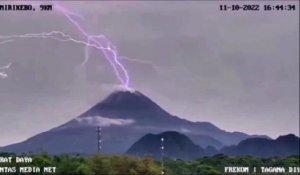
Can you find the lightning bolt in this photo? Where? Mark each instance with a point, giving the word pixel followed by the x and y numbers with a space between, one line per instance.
pixel 111 53
pixel 136 60
pixel 6 41
pixel 100 42
pixel 3 74
pixel 62 37
pixel 6 67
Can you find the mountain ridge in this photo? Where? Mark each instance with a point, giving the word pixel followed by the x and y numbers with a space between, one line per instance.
pixel 282 146
pixel 184 148
pixel 125 116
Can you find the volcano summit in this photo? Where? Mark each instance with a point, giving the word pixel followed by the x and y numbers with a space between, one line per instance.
pixel 125 117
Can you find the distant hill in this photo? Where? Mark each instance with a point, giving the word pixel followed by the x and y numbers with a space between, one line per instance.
pixel 179 146
pixel 283 146
pixel 176 146
pixel 125 117
pixel 211 151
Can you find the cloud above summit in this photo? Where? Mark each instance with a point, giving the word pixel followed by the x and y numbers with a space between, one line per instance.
pixel 102 121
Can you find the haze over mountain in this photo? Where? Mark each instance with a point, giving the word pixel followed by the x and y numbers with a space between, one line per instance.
pixel 124 117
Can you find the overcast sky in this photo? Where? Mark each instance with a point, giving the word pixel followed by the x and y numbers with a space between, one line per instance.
pixel 238 70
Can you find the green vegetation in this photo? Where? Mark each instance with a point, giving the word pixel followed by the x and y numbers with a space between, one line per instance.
pixel 123 165
pixel 215 165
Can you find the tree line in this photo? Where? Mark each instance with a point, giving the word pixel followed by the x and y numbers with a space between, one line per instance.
pixel 129 165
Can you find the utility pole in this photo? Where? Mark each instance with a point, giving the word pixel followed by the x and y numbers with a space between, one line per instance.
pixel 162 155
pixel 99 141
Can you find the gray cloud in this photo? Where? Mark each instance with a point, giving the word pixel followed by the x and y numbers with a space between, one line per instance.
pixel 102 121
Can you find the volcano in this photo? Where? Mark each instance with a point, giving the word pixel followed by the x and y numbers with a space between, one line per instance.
pixel 124 116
